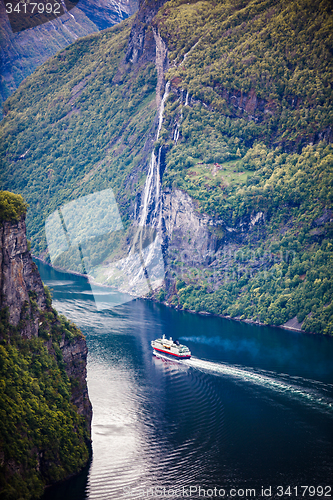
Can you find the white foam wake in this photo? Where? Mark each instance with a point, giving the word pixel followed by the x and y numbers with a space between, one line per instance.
pixel 309 391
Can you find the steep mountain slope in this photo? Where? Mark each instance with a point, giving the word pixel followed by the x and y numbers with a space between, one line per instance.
pixel 106 13
pixel 22 53
pixel 97 87
pixel 243 152
pixel 269 63
pixel 44 404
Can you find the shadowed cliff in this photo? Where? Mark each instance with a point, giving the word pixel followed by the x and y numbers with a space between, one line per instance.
pixel 44 405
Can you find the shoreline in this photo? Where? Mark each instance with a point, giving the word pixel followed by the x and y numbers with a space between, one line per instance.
pixel 236 318
pixel 285 326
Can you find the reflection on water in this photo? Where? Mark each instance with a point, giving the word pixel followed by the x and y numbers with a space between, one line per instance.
pixel 252 407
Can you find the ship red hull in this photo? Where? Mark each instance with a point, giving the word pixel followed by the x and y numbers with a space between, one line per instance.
pixel 171 354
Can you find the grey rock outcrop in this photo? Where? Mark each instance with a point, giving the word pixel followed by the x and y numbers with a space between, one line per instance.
pixel 186 228
pixel 141 42
pixel 19 282
pixel 19 276
pixel 75 358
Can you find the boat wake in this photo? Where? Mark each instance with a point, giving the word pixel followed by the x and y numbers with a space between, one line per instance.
pixel 311 392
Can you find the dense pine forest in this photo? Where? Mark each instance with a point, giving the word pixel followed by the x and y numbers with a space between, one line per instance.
pixel 247 132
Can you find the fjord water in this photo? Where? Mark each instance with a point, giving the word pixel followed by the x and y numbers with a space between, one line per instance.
pixel 253 407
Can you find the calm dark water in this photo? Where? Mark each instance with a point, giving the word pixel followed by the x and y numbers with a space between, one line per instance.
pixel 252 409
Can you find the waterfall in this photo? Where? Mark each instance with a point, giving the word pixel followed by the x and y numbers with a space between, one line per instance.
pixel 152 189
pixel 151 269
pixel 176 133
pixel 142 270
pixel 177 127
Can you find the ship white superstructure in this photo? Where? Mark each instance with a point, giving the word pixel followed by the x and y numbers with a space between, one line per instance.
pixel 170 347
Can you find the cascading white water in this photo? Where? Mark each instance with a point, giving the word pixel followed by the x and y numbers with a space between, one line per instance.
pixel 176 134
pixel 142 270
pixel 177 128
pixel 152 189
pixel 151 259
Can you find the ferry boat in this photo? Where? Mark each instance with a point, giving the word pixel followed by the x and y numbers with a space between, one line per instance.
pixel 171 347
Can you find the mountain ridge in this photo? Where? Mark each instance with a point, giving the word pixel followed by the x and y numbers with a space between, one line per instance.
pixel 19 60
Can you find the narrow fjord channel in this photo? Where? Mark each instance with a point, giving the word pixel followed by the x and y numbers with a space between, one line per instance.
pixel 252 411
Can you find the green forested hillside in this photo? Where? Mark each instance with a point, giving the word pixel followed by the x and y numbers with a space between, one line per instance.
pixel 284 269
pixel 37 441
pixel 246 133
pixel 76 126
pixel 23 52
pixel 259 84
pixel 265 60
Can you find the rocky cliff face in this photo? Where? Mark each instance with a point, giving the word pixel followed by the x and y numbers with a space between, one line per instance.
pixel 141 40
pixel 75 358
pixel 19 276
pixel 105 13
pixel 31 318
pixel 19 281
pixel 186 228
